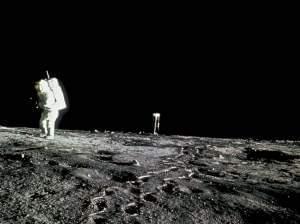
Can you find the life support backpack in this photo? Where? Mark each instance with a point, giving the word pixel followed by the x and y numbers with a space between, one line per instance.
pixel 58 93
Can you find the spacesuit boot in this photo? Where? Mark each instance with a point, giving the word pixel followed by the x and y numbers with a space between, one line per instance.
pixel 43 135
pixel 50 137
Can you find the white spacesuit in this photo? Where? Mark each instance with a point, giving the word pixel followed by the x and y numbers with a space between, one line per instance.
pixel 51 101
pixel 156 117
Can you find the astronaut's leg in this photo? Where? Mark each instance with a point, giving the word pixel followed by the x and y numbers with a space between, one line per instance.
pixel 156 117
pixel 155 126
pixel 51 129
pixel 53 115
pixel 43 124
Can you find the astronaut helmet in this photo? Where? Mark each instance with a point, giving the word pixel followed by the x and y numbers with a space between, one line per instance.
pixel 42 85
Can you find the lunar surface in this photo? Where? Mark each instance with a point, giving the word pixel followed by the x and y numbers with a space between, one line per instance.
pixel 91 177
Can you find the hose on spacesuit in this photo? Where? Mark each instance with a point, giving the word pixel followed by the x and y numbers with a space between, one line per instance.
pixel 48 76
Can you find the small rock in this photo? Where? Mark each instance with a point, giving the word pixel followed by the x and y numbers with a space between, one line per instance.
pixel 184 189
pixel 136 163
pixel 173 168
pixel 168 179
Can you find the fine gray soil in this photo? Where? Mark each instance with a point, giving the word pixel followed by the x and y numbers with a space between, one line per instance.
pixel 106 177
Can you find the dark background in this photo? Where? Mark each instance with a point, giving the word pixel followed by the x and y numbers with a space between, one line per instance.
pixel 206 75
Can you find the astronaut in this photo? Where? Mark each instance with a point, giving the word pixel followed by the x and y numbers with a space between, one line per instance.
pixel 156 117
pixel 50 101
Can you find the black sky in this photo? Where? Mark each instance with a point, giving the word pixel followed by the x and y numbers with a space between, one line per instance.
pixel 213 77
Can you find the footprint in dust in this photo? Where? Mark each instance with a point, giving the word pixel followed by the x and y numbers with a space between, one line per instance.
pixel 175 188
pixel 132 209
pixel 97 220
pixel 144 178
pixel 169 188
pixel 53 163
pixel 100 205
pixel 123 176
pixel 150 197
pixel 135 190
pixel 105 155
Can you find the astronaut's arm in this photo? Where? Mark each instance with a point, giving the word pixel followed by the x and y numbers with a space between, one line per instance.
pixel 47 104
